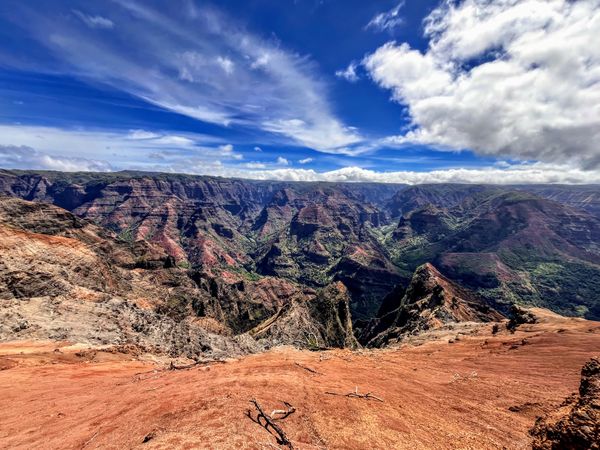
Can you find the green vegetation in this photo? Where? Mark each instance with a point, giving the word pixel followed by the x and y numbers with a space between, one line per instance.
pixel 127 236
pixel 312 343
pixel 250 276
pixel 478 234
pixel 569 287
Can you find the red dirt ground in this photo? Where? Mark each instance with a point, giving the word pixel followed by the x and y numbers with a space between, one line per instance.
pixel 438 395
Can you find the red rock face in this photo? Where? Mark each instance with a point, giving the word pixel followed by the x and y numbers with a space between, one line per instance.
pixel 192 223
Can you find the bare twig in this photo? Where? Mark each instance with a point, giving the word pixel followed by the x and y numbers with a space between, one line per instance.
pixel 268 424
pixel 90 439
pixel 158 372
pixel 308 369
pixel 356 394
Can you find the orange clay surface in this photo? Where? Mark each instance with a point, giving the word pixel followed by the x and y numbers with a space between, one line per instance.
pixel 436 395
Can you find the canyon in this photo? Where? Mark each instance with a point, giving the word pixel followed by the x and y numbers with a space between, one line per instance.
pixel 506 243
pixel 385 288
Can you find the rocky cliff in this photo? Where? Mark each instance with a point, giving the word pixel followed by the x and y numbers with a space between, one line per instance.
pixel 313 234
pixel 430 301
pixel 294 322
pixel 576 423
pixel 62 277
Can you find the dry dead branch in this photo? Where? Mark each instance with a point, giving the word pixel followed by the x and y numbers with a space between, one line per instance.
pixel 283 412
pixel 266 421
pixel 149 437
pixel 308 369
pixel 356 394
pixel 173 366
pixel 324 357
pixel 154 373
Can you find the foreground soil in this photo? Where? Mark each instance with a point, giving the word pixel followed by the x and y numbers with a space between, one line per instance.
pixel 475 392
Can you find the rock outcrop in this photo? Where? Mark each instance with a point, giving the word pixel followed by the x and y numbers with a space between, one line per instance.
pixel 519 316
pixel 323 321
pixel 431 301
pixel 576 424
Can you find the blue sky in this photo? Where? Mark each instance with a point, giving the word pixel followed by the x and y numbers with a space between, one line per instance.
pixel 384 90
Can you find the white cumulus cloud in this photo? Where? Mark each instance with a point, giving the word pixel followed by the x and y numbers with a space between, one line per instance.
pixel 349 73
pixel 255 165
pixel 508 78
pixel 513 174
pixel 29 147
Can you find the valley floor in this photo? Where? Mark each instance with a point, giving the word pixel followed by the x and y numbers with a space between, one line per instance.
pixel 480 391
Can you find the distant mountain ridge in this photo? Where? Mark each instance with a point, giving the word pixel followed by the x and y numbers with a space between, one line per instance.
pixel 535 244
pixel 509 246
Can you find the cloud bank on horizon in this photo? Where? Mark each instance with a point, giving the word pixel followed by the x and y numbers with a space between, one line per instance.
pixel 459 91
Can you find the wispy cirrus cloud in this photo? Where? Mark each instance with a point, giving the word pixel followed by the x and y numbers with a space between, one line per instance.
pixel 124 149
pixel 388 20
pixel 191 60
pixel 94 21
